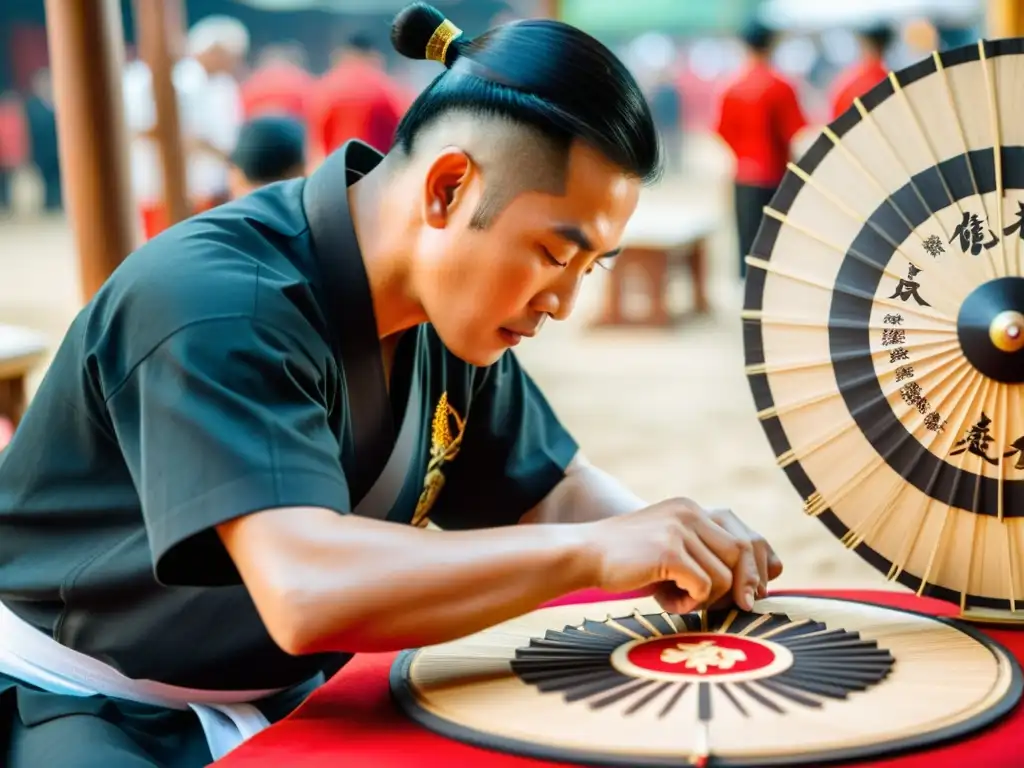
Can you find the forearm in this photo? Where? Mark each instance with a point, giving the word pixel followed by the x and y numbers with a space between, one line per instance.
pixel 586 494
pixel 362 585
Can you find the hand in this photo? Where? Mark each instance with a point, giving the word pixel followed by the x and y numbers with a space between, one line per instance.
pixel 688 556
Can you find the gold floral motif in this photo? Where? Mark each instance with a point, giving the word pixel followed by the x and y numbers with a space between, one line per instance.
pixel 700 656
pixel 444 447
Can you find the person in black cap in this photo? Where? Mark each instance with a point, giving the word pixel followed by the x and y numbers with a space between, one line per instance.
pixel 222 488
pixel 269 149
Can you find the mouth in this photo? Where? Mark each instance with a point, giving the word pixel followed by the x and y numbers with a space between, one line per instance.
pixel 512 338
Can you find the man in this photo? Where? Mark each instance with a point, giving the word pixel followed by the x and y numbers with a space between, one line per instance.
pixel 759 117
pixel 209 117
pixel 866 73
pixel 279 85
pixel 223 485
pixel 356 99
pixel 14 143
pixel 42 130
pixel 269 149
pixel 666 103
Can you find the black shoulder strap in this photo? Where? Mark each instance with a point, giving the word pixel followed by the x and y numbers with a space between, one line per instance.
pixel 351 317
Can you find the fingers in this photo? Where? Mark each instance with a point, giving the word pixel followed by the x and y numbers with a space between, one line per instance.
pixel 674 600
pixel 727 535
pixel 687 574
pixel 774 564
pixel 720 573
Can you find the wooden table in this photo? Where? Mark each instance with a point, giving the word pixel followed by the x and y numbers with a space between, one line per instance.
pixel 658 239
pixel 21 350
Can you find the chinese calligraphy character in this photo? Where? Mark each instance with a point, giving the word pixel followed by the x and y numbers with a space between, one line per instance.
pixel 904 372
pixel 976 440
pixel 971 236
pixel 933 245
pixel 893 336
pixel 700 656
pixel 1017 226
pixel 893 320
pixel 909 287
pixel 935 422
pixel 1018 451
pixel 898 354
pixel 912 395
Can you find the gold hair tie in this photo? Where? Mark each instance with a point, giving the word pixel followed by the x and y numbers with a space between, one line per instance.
pixel 437 46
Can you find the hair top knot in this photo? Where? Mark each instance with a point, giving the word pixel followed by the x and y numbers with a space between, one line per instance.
pixel 437 47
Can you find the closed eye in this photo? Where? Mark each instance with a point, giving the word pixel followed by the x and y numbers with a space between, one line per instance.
pixel 552 259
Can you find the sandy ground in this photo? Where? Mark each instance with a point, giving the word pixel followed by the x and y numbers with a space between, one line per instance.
pixel 669 412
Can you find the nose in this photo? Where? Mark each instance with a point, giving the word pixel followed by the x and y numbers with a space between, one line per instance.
pixel 559 300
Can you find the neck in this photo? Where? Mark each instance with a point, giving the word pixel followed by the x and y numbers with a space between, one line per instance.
pixel 386 236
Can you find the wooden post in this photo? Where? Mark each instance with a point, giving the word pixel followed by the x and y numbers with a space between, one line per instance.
pixel 1005 18
pixel 86 42
pixel 548 9
pixel 158 29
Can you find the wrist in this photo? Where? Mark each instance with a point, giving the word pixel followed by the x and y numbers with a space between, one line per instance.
pixel 581 558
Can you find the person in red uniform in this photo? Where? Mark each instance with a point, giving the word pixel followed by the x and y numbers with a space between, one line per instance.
pixel 759 117
pixel 356 99
pixel 865 74
pixel 279 85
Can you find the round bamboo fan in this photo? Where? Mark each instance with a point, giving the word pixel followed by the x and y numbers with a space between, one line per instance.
pixel 797 681
pixel 884 327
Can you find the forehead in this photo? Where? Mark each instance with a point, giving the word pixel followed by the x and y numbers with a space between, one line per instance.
pixel 596 196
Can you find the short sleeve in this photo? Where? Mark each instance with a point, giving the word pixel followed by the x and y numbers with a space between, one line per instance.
pixel 514 452
pixel 224 418
pixel 789 116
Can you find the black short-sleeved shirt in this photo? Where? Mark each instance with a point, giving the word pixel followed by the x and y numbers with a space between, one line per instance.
pixel 203 382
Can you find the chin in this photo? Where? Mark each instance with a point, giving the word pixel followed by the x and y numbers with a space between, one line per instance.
pixel 474 353
pixel 479 357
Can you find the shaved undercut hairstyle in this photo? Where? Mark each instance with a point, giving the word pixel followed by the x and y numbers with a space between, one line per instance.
pixel 517 97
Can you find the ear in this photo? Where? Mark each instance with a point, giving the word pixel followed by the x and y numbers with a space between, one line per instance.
pixel 445 181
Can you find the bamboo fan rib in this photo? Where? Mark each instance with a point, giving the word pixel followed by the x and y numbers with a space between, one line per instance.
pixel 884 327
pixel 797 681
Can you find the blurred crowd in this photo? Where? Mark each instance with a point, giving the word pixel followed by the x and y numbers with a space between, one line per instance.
pixel 248 117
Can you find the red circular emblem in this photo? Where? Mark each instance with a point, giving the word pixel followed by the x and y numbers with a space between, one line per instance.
pixel 701 656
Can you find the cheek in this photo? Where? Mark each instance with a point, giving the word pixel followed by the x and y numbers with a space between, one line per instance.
pixel 485 280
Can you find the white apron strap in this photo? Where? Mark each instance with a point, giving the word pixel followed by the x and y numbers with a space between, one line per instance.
pixel 37 659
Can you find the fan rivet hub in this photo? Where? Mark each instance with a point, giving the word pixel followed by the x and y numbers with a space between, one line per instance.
pixel 990 328
pixel 1007 331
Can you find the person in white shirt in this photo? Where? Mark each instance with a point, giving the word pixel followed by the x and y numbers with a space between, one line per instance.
pixel 209 114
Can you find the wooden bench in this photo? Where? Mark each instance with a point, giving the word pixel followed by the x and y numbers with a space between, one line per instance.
pixel 658 239
pixel 21 351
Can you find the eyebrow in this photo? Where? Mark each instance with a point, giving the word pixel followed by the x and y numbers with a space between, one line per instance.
pixel 576 236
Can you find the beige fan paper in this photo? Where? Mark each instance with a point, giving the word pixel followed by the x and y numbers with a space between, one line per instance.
pixel 884 327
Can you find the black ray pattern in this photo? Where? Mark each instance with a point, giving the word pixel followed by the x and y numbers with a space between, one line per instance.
pixel 828 664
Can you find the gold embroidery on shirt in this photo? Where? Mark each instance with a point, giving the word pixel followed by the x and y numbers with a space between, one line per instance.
pixel 444 447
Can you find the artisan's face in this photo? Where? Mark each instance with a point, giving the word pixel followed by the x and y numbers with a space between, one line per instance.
pixel 486 288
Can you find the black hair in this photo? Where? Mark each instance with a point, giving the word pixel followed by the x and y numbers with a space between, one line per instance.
pixel 362 42
pixel 269 148
pixel 758 36
pixel 878 37
pixel 544 74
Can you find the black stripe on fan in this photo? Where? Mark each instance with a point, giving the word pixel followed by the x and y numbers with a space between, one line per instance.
pixel 827 664
pixel 852 360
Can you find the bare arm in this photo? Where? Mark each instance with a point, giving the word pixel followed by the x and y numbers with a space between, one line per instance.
pixel 326 582
pixel 585 495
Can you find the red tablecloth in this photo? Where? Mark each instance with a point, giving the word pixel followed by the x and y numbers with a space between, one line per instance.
pixel 352 722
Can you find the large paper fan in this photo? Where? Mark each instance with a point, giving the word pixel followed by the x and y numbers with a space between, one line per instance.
pixel 884 326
